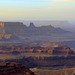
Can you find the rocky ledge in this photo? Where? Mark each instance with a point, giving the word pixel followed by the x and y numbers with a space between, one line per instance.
pixel 13 68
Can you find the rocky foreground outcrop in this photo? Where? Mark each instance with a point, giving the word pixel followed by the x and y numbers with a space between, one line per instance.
pixel 13 68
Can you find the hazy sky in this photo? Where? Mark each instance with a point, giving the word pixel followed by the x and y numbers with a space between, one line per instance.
pixel 37 9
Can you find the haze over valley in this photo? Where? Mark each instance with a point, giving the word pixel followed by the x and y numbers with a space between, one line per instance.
pixel 37 37
pixel 19 33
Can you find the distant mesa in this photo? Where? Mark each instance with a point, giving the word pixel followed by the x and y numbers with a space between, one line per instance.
pixel 4 35
pixel 49 26
pixel 20 28
pixel 19 31
pixel 31 25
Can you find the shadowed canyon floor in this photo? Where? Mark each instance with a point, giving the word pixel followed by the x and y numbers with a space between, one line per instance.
pixel 70 71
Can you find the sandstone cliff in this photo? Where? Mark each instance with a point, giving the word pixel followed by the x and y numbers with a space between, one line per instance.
pixel 60 50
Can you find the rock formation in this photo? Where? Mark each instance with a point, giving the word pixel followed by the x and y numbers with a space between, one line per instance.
pixel 13 68
pixel 63 50
pixel 19 28
pixel 60 50
pixel 11 30
pixel 3 34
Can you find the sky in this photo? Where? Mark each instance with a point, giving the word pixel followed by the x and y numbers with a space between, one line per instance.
pixel 37 10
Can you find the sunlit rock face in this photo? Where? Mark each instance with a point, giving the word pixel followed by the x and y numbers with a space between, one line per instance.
pixel 49 45
pixel 3 34
pixel 2 27
pixel 6 36
pixel 15 50
pixel 13 68
pixel 63 50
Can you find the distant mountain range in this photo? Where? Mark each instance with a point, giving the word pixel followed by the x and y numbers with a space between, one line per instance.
pixel 11 29
pixel 20 33
pixel 69 26
pixel 20 28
